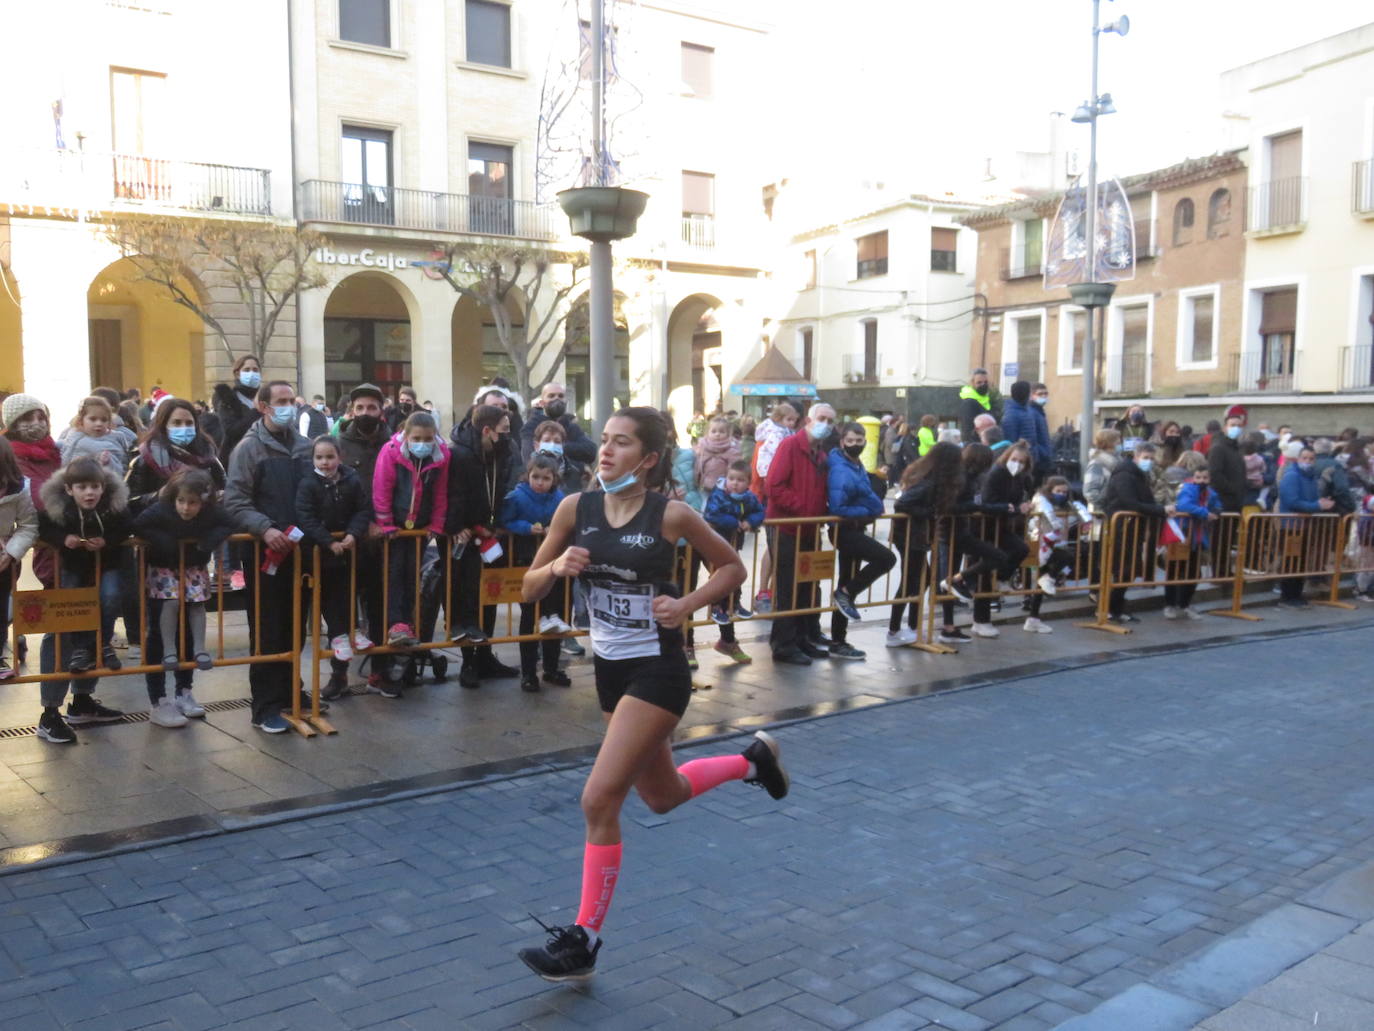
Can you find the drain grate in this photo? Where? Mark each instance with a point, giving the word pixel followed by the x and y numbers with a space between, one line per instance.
pixel 134 717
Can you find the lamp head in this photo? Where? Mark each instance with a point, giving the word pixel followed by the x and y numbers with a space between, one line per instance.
pixel 1083 114
pixel 1104 105
pixel 1121 26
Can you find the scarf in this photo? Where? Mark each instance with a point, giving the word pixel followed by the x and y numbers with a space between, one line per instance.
pixel 709 452
pixel 165 458
pixel 37 453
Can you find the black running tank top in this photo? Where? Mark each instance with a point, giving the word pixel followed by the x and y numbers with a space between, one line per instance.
pixel 630 565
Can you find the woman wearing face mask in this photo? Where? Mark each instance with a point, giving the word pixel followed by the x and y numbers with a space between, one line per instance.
pixel 236 403
pixel 1129 491
pixel 173 442
pixel 620 541
pixel 1006 490
pixel 483 468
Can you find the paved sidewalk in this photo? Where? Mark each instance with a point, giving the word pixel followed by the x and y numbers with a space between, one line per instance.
pixel 1007 857
pixel 218 771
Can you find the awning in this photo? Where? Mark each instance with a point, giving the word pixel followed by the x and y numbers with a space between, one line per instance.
pixel 774 389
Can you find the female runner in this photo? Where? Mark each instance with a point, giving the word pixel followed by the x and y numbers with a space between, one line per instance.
pixel 621 541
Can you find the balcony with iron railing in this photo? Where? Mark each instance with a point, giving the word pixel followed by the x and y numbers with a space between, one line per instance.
pixel 84 180
pixel 1277 207
pixel 426 210
pixel 1271 371
pixel 1127 375
pixel 1362 188
pixel 699 231
pixel 857 369
pixel 1020 263
pixel 1356 367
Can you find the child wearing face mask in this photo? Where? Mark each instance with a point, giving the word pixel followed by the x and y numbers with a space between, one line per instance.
pixel 1197 508
pixel 334 501
pixel 526 513
pixel 409 492
pixel 733 510
pixel 177 584
pixel 92 436
pixel 1052 517
pixel 1006 488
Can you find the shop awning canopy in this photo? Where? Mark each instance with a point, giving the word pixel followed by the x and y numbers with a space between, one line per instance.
pixel 773 376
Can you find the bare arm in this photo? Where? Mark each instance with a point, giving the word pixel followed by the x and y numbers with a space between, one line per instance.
pixel 555 558
pixel 727 568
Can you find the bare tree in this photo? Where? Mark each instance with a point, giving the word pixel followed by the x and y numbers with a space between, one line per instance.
pixel 504 278
pixel 265 262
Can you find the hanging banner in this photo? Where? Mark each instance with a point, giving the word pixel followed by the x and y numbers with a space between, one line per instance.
pixel 1066 253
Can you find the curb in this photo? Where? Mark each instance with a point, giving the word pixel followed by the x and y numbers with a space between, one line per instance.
pixel 62 851
pixel 1201 985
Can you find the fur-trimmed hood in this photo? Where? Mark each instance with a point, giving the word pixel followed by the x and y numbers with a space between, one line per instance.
pixel 510 395
pixel 56 500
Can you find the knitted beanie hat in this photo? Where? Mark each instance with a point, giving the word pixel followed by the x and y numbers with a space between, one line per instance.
pixel 16 406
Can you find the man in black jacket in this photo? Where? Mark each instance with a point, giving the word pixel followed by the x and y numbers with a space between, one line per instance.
pixel 260 493
pixel 483 467
pixel 578 449
pixel 1227 465
pixel 1129 490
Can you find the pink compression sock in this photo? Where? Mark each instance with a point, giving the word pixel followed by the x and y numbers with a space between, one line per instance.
pixel 705 774
pixel 600 871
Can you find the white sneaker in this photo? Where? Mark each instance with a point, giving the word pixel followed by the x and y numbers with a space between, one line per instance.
pixel 1047 584
pixel 361 642
pixel 166 714
pixel 1171 613
pixel 1192 613
pixel 1032 625
pixel 134 653
pixel 553 625
pixel 343 650
pixel 902 638
pixel 985 630
pixel 119 641
pixel 188 706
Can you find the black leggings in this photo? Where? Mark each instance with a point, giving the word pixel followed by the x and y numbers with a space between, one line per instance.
pixel 1181 595
pixel 863 561
pixel 913 562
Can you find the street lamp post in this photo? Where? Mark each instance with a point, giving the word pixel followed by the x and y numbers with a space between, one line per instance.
pixel 1092 295
pixel 601 213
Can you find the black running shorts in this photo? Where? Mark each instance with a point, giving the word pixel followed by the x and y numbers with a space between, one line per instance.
pixel 662 680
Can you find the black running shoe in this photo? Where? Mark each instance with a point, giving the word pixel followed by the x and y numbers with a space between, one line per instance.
pixel 558 678
pixel 769 773
pixel 84 708
pixel 52 727
pixel 962 595
pixel 564 957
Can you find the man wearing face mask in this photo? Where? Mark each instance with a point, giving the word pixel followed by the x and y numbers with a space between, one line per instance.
pixel 1298 492
pixel 1129 490
pixel 578 449
pixel 407 401
pixel 1226 465
pixel 797 487
pixel 1023 418
pixel 264 471
pixel 361 437
pixel 974 400
pixel 483 468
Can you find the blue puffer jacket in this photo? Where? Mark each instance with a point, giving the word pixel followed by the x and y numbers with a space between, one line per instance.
pixel 1197 502
pixel 684 472
pixel 1298 490
pixel 848 492
pixel 1028 422
pixel 724 512
pixel 524 506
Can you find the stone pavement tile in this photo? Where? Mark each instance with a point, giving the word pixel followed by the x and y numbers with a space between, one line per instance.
pixel 1245 1016
pixel 899 1021
pixel 1339 974
pixel 1004 1005
pixel 821 1011
pixel 945 1015
pixel 1355 948
pixel 1323 1006
pixel 1141 1008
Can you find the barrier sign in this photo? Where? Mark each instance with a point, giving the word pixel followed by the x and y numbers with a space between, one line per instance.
pixel 813 566
pixel 502 586
pixel 57 612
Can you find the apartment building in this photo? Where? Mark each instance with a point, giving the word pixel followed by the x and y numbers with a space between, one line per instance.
pixel 1171 336
pixel 874 303
pixel 131 111
pixel 1307 326
pixel 419 126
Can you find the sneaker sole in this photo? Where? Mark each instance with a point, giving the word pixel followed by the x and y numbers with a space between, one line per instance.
pixel 85 721
pixel 573 978
pixel 43 735
pixel 771 743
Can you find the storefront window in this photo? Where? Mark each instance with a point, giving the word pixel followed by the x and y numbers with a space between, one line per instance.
pixel 365 351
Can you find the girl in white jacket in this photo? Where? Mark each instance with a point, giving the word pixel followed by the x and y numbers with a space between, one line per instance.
pixel 1053 514
pixel 18 531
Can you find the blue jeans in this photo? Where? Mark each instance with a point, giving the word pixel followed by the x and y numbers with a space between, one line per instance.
pixel 53 692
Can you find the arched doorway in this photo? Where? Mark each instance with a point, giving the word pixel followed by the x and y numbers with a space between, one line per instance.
pixel 479 356
pixel 577 342
pixel 366 336
pixel 695 358
pixel 139 337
